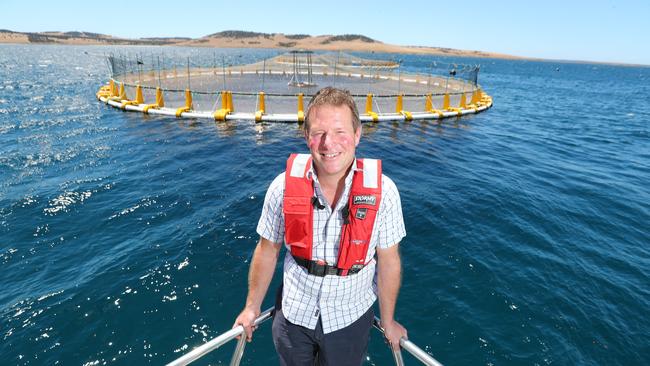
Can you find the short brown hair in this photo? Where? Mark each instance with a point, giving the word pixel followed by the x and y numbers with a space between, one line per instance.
pixel 334 97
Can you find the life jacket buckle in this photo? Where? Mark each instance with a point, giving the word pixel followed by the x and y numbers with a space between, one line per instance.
pixel 317 268
pixel 355 268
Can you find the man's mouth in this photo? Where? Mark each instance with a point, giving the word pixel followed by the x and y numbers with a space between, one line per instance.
pixel 330 155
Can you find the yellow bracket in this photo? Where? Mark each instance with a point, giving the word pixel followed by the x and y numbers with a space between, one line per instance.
pixel 160 99
pixel 180 111
pixel 262 106
pixel 114 88
pixel 428 103
pixel 373 115
pixel 188 99
pixel 445 102
pixel 475 97
pixel 429 106
pixel 438 112
pixel 138 95
pixel 147 107
pixel 226 106
pixel 258 115
pixel 104 92
pixel 407 114
pixel 122 93
pixel 459 111
pixel 231 107
pixel 220 115
pixel 301 109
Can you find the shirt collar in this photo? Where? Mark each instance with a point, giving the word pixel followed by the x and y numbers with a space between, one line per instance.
pixel 311 173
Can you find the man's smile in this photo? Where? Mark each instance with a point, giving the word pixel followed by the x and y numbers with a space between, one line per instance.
pixel 330 155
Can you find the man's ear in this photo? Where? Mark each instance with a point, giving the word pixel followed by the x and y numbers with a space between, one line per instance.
pixel 357 136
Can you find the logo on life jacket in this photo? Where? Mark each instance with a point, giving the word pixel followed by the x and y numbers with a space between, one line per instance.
pixel 365 200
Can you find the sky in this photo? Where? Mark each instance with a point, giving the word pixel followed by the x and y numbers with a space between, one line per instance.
pixel 598 30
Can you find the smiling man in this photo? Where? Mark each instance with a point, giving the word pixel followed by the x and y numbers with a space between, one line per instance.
pixel 341 221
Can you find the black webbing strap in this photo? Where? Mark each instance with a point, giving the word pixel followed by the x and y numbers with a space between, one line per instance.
pixel 321 270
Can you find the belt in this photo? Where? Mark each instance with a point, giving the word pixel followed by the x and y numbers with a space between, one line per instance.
pixel 319 269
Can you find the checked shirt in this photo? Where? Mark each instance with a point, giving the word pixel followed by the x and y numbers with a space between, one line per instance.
pixel 337 300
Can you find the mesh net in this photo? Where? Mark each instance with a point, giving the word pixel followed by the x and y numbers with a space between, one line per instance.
pixel 283 77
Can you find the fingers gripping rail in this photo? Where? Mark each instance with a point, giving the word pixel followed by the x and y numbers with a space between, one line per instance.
pixel 411 347
pixel 233 333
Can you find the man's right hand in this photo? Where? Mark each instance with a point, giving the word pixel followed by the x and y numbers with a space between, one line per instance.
pixel 247 319
pixel 259 277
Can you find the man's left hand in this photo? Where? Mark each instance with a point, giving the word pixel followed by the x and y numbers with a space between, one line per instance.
pixel 393 332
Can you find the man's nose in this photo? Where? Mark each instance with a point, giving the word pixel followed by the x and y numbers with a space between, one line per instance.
pixel 326 139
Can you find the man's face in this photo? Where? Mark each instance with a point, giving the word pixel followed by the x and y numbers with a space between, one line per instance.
pixel 332 140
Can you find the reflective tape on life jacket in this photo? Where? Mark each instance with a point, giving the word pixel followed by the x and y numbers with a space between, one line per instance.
pixel 361 211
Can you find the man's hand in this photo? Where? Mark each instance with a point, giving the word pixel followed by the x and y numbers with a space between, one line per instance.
pixel 247 319
pixel 259 278
pixel 393 332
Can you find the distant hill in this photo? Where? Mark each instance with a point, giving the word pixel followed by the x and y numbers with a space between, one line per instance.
pixel 240 39
pixel 55 37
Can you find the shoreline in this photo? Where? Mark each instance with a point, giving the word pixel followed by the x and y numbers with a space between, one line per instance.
pixel 241 39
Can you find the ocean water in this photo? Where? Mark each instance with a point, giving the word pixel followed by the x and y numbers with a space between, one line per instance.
pixel 126 239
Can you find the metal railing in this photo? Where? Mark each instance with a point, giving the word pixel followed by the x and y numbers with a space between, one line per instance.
pixel 233 333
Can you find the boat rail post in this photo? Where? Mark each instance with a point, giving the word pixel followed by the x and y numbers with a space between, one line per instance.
pixel 397 353
pixel 219 341
pixel 409 346
pixel 397 356
pixel 239 351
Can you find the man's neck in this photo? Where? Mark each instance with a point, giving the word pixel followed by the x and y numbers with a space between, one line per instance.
pixel 333 186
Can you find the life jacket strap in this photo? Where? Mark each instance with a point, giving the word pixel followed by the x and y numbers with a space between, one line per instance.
pixel 316 268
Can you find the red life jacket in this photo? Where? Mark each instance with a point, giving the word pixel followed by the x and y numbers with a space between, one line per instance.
pixel 363 203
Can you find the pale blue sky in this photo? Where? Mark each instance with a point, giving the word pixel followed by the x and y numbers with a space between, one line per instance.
pixel 600 30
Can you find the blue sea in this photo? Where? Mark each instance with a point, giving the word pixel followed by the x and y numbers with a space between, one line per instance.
pixel 126 239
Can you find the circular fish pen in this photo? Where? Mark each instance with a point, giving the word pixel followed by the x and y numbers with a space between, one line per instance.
pixel 277 89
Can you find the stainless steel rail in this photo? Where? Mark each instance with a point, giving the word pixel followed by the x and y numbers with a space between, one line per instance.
pixel 409 346
pixel 233 333
pixel 215 343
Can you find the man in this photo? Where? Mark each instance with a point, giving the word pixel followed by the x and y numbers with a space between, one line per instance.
pixel 341 220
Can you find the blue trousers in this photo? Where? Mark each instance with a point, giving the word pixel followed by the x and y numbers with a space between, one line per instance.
pixel 300 346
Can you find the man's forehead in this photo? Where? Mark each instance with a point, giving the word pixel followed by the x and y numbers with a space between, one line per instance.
pixel 342 114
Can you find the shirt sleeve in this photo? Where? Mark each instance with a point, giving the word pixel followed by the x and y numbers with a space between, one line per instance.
pixel 391 221
pixel 271 223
